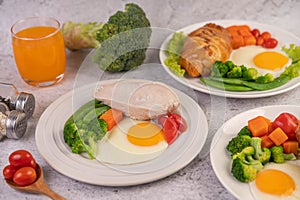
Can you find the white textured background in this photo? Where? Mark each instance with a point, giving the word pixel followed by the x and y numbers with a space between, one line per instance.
pixel 197 180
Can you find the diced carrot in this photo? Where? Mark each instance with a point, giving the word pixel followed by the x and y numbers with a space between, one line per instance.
pixel 271 127
pixel 291 147
pixel 244 32
pixel 237 42
pixel 278 136
pixel 112 117
pixel 258 126
pixel 266 142
pixel 249 40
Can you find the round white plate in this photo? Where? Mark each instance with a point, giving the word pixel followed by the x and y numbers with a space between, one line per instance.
pixel 284 38
pixel 220 158
pixel 51 145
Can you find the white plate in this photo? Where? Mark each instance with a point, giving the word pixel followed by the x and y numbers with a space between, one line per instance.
pixel 220 158
pixel 284 38
pixel 51 145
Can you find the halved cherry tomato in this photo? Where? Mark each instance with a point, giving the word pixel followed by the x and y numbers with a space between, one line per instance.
pixel 181 123
pixel 25 176
pixel 22 158
pixel 266 35
pixel 161 119
pixel 288 123
pixel 170 130
pixel 260 40
pixel 255 32
pixel 9 171
pixel 270 43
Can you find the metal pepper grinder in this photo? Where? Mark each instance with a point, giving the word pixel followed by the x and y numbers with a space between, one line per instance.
pixel 13 125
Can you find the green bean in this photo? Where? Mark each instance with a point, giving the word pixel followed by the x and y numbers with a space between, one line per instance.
pixel 256 86
pixel 224 86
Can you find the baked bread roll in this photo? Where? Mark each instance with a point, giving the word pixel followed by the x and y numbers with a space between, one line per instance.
pixel 203 47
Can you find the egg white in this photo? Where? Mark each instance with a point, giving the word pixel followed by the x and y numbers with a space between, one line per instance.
pixel 289 168
pixel 114 148
pixel 245 55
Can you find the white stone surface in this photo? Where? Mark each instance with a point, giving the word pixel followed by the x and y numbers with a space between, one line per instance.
pixel 195 181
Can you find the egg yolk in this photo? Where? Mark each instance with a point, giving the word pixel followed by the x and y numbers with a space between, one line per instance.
pixel 270 60
pixel 275 182
pixel 145 134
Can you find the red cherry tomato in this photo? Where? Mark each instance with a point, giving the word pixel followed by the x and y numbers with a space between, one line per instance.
pixel 181 123
pixel 270 43
pixel 25 176
pixel 255 32
pixel 266 35
pixel 288 123
pixel 170 130
pixel 22 158
pixel 161 119
pixel 260 40
pixel 9 171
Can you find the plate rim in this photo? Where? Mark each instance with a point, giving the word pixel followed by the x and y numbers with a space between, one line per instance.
pixel 212 91
pixel 216 141
pixel 141 178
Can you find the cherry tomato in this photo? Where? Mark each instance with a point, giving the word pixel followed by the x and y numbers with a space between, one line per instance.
pixel 260 40
pixel 266 35
pixel 288 123
pixel 9 171
pixel 170 130
pixel 255 32
pixel 22 158
pixel 161 119
pixel 25 176
pixel 181 123
pixel 270 43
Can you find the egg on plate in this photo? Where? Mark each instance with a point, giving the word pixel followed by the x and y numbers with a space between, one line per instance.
pixel 130 142
pixel 277 181
pixel 264 60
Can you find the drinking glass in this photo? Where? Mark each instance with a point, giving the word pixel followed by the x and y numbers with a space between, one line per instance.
pixel 39 50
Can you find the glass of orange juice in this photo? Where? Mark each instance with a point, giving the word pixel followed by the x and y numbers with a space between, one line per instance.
pixel 39 50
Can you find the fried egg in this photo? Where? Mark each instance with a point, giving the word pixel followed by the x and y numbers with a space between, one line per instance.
pixel 130 142
pixel 264 60
pixel 277 181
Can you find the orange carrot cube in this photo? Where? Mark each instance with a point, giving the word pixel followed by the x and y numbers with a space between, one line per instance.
pixel 266 142
pixel 291 147
pixel 278 136
pixel 258 126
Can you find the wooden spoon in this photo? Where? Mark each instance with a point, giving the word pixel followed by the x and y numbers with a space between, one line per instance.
pixel 39 186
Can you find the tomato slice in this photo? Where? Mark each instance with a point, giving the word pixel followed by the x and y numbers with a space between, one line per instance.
pixel 22 158
pixel 170 130
pixel 181 123
pixel 288 123
pixel 25 176
pixel 9 171
pixel 161 119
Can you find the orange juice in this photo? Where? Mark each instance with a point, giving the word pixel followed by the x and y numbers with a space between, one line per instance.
pixel 39 54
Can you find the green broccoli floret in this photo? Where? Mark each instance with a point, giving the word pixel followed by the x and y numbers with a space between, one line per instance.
pixel 244 131
pixel 235 72
pixel 278 156
pixel 261 154
pixel 124 40
pixel 219 69
pixel 238 143
pixel 230 65
pixel 244 166
pixel 250 74
pixel 265 78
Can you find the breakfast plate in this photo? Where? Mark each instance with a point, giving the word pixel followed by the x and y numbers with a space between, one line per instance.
pixel 220 158
pixel 283 37
pixel 51 145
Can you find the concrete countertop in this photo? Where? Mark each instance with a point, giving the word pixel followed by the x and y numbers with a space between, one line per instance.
pixel 197 180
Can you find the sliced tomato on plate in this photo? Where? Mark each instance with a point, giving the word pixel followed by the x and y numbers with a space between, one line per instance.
pixel 170 130
pixel 181 123
pixel 288 123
